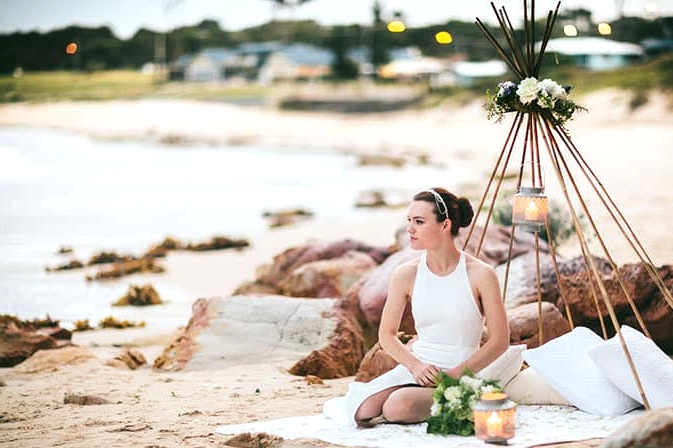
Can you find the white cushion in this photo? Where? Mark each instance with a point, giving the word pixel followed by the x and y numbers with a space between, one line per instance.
pixel 565 364
pixel 528 388
pixel 505 367
pixel 654 367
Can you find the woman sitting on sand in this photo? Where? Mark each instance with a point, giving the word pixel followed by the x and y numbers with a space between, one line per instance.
pixel 452 295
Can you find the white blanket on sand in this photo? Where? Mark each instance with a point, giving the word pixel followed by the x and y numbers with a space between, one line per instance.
pixel 535 425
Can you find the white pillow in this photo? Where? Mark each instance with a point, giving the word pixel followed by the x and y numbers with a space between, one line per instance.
pixel 528 387
pixel 565 364
pixel 505 367
pixel 654 367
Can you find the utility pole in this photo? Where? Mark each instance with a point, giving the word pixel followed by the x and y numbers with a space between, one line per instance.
pixel 161 44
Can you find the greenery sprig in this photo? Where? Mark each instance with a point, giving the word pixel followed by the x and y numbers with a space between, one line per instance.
pixel 545 97
pixel 454 401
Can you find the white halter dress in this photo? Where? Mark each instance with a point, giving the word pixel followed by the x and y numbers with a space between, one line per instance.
pixel 448 324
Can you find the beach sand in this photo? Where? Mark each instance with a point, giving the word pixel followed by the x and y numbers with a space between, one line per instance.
pixel 628 150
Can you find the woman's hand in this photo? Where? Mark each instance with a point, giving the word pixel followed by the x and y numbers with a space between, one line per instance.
pixel 454 372
pixel 425 374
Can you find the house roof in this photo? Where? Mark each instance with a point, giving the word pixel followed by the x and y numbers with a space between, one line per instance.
pixel 304 54
pixel 218 55
pixel 259 47
pixel 574 46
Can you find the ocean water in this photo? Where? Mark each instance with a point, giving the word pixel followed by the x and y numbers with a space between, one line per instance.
pixel 59 189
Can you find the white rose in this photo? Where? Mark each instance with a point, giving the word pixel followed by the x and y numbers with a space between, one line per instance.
pixel 552 88
pixel 452 393
pixel 528 90
pixel 472 383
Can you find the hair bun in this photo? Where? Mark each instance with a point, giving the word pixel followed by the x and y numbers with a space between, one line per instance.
pixel 466 211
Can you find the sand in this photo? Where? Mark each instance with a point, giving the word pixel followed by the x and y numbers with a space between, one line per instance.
pixel 627 149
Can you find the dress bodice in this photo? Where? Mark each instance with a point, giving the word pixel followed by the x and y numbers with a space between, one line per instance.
pixel 448 322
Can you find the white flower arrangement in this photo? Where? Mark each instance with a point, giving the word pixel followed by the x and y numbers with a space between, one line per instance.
pixel 454 401
pixel 545 97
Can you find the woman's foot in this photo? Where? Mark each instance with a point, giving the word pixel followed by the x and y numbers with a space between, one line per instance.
pixel 371 422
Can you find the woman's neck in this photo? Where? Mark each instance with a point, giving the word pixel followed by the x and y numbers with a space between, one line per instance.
pixel 443 260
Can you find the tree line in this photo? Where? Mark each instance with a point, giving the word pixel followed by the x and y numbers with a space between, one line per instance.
pixel 99 49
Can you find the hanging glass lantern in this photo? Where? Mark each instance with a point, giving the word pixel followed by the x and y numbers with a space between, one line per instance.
pixel 494 418
pixel 530 208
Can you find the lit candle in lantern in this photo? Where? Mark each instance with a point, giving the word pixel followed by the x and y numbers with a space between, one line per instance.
pixel 494 418
pixel 531 213
pixel 494 424
pixel 529 208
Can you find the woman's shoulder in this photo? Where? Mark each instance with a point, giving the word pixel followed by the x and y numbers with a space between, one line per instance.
pixel 477 265
pixel 408 268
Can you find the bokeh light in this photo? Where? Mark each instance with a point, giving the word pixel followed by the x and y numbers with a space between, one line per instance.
pixel 396 26
pixel 71 48
pixel 604 29
pixel 570 30
pixel 443 37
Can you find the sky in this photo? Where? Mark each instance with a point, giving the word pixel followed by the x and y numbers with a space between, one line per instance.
pixel 125 17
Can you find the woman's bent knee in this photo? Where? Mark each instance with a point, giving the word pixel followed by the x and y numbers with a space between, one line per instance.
pixel 410 405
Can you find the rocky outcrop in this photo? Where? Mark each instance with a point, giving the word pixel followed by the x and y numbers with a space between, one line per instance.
pixel 251 329
pixel 345 348
pixel 51 360
pixel 327 278
pixel 321 303
pixel 274 278
pixel 524 324
pixel 372 292
pixel 376 361
pixel 20 339
pixel 647 298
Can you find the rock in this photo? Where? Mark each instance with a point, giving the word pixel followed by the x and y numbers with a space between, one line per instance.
pixel 269 277
pixel 218 242
pixel 123 268
pixel 139 296
pixel 377 362
pixel 250 329
pixel 327 278
pixel 67 266
pixel 495 247
pixel 286 217
pixel 108 257
pixel 643 291
pixel 50 360
pixel 522 278
pixel 653 429
pixel 84 400
pixel 524 324
pixel 379 198
pixel 128 358
pixel 21 339
pixel 373 291
pixel 345 348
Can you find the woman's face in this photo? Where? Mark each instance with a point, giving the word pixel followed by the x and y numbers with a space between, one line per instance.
pixel 424 230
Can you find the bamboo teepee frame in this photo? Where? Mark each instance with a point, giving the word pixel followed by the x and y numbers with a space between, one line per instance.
pixel 540 129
